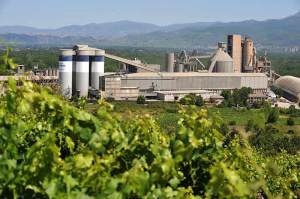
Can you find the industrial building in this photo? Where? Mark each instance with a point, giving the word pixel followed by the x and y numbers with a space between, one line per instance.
pixel 81 68
pixel 179 84
pixel 290 86
pixel 234 65
pixel 234 49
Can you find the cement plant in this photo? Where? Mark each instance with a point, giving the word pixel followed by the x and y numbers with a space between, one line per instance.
pixel 234 65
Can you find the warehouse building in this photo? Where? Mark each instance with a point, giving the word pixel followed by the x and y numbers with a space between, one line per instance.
pixel 160 84
pixel 290 86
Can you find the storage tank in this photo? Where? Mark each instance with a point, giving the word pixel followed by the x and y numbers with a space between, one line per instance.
pixel 222 62
pixel 82 72
pixel 180 68
pixel 65 71
pixel 170 62
pixel 224 66
pixel 248 55
pixel 97 69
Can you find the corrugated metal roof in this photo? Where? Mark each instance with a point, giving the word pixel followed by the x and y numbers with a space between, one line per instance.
pixel 195 74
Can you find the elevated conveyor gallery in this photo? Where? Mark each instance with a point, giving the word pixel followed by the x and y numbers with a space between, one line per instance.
pixel 130 62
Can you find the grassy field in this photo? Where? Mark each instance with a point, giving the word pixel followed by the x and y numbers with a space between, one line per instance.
pixel 167 115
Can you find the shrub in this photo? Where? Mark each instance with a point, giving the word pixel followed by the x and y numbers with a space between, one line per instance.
pixel 232 123
pixel 199 101
pixel 192 99
pixel 110 99
pixel 141 100
pixel 250 125
pixel 224 129
pixel 290 121
pixel 50 149
pixel 273 116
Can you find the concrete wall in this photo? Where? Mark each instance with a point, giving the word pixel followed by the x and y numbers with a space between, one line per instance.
pixel 148 83
pixel 194 82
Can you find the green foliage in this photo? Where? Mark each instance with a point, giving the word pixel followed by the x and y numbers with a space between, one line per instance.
pixel 51 149
pixel 43 58
pixel 80 102
pixel 224 129
pixel 286 63
pixel 110 99
pixel 290 121
pixel 141 100
pixel 192 99
pixel 6 62
pixel 232 123
pixel 199 101
pixel 273 115
pixel 239 97
pixel 272 141
pixel 250 125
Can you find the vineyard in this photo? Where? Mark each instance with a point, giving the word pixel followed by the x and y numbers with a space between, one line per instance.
pixel 51 149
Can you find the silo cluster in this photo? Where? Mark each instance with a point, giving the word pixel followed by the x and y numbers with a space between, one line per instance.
pixel 221 62
pixel 243 53
pixel 80 69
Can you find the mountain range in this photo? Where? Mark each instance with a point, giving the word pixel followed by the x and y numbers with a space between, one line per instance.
pixel 269 33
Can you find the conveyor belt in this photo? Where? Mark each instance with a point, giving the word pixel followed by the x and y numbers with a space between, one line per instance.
pixel 129 62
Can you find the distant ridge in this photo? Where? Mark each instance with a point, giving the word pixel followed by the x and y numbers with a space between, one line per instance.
pixel 268 33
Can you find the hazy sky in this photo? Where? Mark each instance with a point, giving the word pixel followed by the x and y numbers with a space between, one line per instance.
pixel 56 13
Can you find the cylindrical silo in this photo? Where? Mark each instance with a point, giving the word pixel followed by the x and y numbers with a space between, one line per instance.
pixel 248 54
pixel 221 62
pixel 170 61
pixel 82 72
pixel 65 71
pixel 97 69
pixel 180 68
pixel 224 66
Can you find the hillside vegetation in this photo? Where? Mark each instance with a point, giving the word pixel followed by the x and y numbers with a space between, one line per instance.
pixel 284 64
pixel 268 34
pixel 50 149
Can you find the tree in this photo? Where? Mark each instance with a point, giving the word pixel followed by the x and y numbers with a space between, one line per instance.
pixel 199 101
pixel 141 100
pixel 239 97
pixel 273 115
pixel 226 94
pixel 290 121
pixel 192 99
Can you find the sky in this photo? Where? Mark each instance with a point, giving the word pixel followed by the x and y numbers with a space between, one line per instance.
pixel 58 13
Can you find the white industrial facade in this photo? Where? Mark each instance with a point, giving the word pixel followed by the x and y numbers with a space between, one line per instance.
pixel 149 83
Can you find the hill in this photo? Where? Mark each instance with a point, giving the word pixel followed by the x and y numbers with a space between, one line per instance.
pixel 267 34
pixel 282 32
pixel 102 30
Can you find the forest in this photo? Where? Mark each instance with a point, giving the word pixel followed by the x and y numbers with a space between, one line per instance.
pixel 282 63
